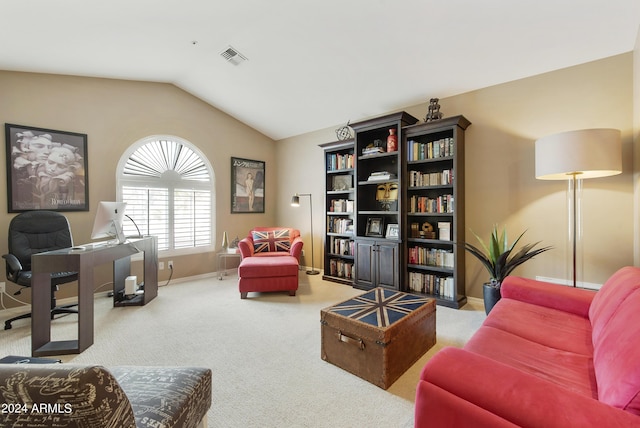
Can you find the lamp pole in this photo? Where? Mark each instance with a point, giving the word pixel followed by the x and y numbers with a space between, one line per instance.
pixel 295 201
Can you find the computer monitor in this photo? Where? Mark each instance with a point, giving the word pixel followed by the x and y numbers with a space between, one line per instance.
pixel 108 222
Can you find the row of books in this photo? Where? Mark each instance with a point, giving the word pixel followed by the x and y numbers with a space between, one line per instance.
pixel 339 225
pixel 342 246
pixel 341 268
pixel 424 204
pixel 341 206
pixel 431 257
pixel 337 161
pixel 419 178
pixel 432 150
pixel 443 286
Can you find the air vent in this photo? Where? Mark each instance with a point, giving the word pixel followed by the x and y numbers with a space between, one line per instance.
pixel 232 56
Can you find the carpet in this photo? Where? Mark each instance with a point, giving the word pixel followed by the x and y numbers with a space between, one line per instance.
pixel 264 352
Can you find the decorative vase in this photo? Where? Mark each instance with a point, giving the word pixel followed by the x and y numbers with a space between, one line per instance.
pixel 392 141
pixel 491 295
pixel 225 241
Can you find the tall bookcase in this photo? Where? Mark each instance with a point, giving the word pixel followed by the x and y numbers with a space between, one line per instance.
pixel 434 211
pixel 339 207
pixel 379 254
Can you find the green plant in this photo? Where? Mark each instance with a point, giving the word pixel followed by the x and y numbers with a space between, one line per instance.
pixel 499 258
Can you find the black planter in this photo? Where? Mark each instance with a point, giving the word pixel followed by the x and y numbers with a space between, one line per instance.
pixel 491 296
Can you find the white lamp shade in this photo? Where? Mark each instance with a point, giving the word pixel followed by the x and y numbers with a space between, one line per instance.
pixel 587 153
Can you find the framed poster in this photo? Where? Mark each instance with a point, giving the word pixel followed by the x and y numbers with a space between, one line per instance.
pixel 247 186
pixel 46 169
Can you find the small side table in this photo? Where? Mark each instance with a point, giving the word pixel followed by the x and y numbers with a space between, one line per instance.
pixel 224 255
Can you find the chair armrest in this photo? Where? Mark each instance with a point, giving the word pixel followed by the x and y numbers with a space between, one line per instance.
pixel 14 267
pixel 246 247
pixel 568 299
pixel 296 248
pixel 508 393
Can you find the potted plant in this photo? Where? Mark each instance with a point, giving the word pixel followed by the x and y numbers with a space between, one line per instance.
pixel 500 259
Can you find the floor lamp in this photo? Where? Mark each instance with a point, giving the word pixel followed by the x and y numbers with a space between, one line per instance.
pixel 576 156
pixel 295 202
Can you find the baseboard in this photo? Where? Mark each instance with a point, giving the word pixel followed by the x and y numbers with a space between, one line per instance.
pixel 26 307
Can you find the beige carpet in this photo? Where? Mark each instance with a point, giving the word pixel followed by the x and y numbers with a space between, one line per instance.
pixel 264 352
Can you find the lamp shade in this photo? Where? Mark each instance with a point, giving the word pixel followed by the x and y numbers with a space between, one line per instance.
pixel 587 153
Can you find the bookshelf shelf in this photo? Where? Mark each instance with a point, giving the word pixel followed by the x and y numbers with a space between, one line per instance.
pixel 434 192
pixel 338 258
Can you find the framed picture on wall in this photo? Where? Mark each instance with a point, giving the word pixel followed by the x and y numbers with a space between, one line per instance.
pixel 247 186
pixel 46 169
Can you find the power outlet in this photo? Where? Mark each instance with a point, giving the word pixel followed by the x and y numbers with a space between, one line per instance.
pixel 170 264
pixel 302 253
pixel 161 265
pixel 3 287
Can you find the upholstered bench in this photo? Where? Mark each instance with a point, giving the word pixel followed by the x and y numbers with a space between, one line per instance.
pixel 69 395
pixel 264 274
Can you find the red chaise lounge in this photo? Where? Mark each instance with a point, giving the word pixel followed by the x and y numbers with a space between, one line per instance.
pixel 546 356
pixel 270 260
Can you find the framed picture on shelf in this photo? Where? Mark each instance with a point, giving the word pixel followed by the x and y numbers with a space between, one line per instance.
pixel 392 231
pixel 247 186
pixel 46 169
pixel 375 227
pixel 342 182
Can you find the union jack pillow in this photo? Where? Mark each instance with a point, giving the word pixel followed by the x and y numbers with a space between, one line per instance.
pixel 271 241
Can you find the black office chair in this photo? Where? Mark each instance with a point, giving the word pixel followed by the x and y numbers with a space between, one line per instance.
pixel 35 232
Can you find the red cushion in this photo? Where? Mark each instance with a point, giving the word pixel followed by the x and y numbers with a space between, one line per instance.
pixel 265 267
pixel 271 241
pixel 614 317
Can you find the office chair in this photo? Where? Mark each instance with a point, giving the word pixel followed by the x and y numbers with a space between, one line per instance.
pixel 35 232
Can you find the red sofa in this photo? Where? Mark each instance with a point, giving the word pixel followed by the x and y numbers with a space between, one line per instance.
pixel 270 260
pixel 546 356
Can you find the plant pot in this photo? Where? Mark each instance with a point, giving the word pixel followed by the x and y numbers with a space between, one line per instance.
pixel 491 295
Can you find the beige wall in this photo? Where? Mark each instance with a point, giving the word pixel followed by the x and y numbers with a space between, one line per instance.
pixel 636 147
pixel 115 114
pixel 500 183
pixel 501 188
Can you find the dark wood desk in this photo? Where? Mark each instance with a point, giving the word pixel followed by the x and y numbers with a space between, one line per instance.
pixel 83 261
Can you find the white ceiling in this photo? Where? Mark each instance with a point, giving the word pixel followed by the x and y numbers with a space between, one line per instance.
pixel 313 64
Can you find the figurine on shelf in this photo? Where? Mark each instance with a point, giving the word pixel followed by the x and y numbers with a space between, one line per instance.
pixel 392 140
pixel 344 133
pixel 434 110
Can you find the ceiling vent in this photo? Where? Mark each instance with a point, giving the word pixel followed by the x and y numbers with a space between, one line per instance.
pixel 232 56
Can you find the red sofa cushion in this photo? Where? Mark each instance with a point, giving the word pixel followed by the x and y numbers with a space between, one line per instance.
pixel 562 330
pixel 564 368
pixel 616 331
pixel 271 241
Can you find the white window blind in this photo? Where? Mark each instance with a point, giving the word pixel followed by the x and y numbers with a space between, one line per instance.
pixel 168 191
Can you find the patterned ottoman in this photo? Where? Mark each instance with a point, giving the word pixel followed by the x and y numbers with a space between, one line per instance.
pixel 378 335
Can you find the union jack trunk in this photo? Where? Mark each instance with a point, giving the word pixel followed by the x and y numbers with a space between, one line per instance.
pixel 378 335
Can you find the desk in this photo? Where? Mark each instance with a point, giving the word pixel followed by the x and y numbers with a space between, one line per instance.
pixel 83 261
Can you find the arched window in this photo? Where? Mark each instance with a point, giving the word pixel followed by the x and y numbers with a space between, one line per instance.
pixel 168 187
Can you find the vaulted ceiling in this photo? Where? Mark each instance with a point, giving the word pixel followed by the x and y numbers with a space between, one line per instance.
pixel 312 65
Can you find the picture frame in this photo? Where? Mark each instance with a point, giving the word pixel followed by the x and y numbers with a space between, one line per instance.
pixel 47 169
pixel 247 186
pixel 375 227
pixel 393 231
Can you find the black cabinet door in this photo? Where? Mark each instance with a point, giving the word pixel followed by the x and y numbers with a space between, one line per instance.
pixel 388 265
pixel 365 264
